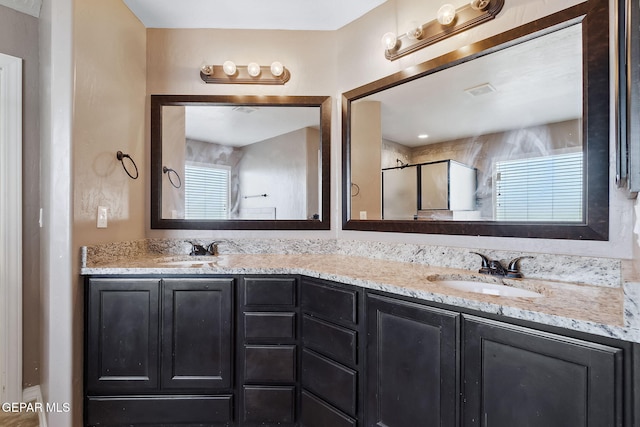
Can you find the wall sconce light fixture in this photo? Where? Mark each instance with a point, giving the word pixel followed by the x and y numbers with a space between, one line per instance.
pixel 449 21
pixel 253 73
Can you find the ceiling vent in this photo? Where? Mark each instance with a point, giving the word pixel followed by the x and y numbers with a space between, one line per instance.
pixel 245 109
pixel 480 90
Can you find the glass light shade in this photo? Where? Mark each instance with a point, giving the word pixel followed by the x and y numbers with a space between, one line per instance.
pixel 253 69
pixel 446 14
pixel 277 69
pixel 389 40
pixel 207 70
pixel 415 31
pixel 229 68
pixel 479 4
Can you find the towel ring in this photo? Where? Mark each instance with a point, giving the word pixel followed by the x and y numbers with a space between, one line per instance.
pixel 121 156
pixel 357 189
pixel 168 172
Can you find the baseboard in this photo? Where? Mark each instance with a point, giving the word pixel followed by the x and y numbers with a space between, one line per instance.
pixel 31 394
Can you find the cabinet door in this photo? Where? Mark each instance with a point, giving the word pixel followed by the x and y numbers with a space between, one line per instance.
pixel 516 376
pixel 196 333
pixel 412 364
pixel 122 335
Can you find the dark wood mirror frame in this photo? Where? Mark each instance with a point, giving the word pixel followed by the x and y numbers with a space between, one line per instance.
pixel 158 101
pixel 594 16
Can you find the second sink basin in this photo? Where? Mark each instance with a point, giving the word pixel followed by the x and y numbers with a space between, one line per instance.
pixel 190 261
pixel 488 288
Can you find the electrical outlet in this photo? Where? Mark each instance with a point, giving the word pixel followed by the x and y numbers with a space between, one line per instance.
pixel 363 214
pixel 102 216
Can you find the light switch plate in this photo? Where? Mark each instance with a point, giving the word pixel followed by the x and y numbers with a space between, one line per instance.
pixel 102 216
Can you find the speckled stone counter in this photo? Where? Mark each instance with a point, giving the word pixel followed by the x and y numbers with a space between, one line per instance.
pixel 605 309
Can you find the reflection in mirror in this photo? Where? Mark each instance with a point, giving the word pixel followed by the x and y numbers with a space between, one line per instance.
pixel 512 153
pixel 241 163
pixel 493 143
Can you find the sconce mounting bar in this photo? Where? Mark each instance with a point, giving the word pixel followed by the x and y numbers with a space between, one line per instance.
pixel 432 32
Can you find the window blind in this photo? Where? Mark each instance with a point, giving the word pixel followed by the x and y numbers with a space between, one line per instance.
pixel 206 191
pixel 540 189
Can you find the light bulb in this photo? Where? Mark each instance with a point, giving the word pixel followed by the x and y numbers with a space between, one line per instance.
pixel 253 69
pixel 206 69
pixel 415 30
pixel 446 14
pixel 229 68
pixel 389 40
pixel 479 4
pixel 277 69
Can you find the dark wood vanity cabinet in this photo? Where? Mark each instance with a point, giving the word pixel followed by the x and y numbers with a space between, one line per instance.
pixel 515 376
pixel 159 351
pixel 412 364
pixel 266 351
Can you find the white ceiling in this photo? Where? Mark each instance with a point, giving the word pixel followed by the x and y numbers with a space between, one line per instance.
pixel 240 126
pixel 250 14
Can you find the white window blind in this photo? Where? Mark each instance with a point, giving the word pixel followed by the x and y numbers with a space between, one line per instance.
pixel 540 189
pixel 206 192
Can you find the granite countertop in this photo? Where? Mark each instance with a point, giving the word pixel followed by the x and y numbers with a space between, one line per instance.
pixel 593 309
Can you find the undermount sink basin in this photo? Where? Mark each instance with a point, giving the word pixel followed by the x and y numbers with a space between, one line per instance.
pixel 190 261
pixel 186 263
pixel 489 288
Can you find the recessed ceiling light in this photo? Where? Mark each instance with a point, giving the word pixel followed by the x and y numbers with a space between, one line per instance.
pixel 423 136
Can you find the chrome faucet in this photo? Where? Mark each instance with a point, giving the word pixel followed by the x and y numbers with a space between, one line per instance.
pixel 495 267
pixel 199 250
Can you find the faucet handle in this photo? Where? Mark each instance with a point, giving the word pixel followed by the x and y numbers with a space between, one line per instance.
pixel 513 270
pixel 484 269
pixel 212 248
pixel 197 249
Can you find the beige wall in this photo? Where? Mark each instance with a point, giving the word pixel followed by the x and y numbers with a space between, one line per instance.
pixel 109 115
pixel 314 164
pixel 276 167
pixel 366 151
pixel 174 58
pixel 19 38
pixel 174 148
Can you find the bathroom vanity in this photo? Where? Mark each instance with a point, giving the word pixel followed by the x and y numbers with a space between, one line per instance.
pixel 326 340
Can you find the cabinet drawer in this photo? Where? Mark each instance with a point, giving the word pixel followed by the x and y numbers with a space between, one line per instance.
pixel 332 340
pixel 159 410
pixel 274 325
pixel 270 291
pixel 269 404
pixel 270 363
pixel 328 302
pixel 331 381
pixel 316 413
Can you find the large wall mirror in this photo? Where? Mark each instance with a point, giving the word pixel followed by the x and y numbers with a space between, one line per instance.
pixel 505 137
pixel 240 162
